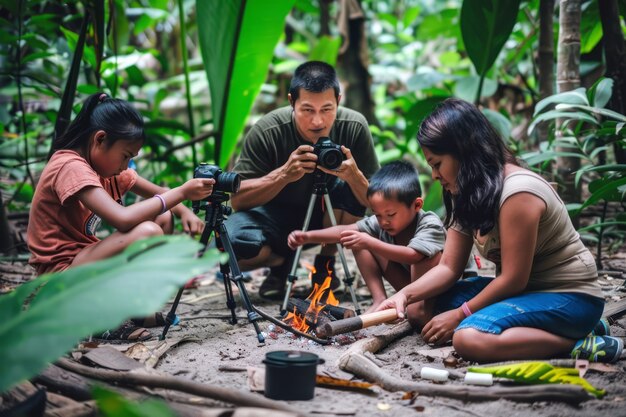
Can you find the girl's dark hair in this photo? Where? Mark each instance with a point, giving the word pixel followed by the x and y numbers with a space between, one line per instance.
pixel 315 77
pixel 397 180
pixel 459 129
pixel 116 117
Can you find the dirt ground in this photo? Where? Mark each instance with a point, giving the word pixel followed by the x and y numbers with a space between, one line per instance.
pixel 216 352
pixel 222 346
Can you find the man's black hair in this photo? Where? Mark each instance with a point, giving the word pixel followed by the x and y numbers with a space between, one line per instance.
pixel 397 180
pixel 315 77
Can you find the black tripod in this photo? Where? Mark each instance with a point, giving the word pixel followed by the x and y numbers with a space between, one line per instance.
pixel 214 222
pixel 320 189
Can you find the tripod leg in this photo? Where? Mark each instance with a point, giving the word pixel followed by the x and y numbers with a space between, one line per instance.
pixel 228 288
pixel 171 318
pixel 291 278
pixel 237 277
pixel 348 278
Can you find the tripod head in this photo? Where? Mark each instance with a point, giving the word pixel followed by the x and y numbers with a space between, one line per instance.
pixel 319 181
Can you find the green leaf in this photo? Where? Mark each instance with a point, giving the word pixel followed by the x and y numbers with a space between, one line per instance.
pixel 499 122
pixel 485 26
pixel 577 96
pixel 554 114
pixel 602 91
pixel 434 198
pixel 417 113
pixel 112 404
pixel 326 50
pixel 603 112
pixel 237 39
pixel 91 298
pixel 466 87
pixel 607 191
pixel 539 373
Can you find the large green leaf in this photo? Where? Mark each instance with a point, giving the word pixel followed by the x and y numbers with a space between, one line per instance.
pixel 42 322
pixel 485 26
pixel 237 39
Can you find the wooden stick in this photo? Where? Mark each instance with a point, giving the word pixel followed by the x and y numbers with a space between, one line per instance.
pixel 336 311
pixel 355 323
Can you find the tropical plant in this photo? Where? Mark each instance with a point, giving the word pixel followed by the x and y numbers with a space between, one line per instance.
pixel 589 132
pixel 44 318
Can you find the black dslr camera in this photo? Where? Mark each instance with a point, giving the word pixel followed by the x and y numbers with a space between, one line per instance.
pixel 328 153
pixel 227 182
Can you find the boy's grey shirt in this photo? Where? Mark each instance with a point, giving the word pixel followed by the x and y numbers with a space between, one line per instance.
pixel 428 239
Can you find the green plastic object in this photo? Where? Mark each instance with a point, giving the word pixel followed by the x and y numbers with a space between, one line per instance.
pixel 540 373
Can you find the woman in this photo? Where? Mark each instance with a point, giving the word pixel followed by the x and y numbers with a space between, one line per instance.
pixel 545 299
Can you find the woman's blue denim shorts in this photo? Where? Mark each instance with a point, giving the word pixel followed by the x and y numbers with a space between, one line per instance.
pixel 571 315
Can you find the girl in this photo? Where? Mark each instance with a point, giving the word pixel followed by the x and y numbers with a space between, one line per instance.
pixel 84 182
pixel 545 299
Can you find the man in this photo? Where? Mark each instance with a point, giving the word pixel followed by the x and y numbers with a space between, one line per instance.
pixel 276 165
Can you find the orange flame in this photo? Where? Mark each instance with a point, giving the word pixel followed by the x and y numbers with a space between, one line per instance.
pixel 319 297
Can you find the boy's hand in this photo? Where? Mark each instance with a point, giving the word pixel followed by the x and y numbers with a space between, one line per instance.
pixel 397 301
pixel 198 188
pixel 353 239
pixel 296 238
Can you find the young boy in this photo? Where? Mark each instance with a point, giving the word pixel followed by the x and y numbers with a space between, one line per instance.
pixel 400 242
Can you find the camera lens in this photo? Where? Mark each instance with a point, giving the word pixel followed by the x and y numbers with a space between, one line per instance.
pixel 330 158
pixel 228 182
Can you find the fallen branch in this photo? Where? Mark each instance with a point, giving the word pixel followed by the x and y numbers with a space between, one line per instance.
pixel 355 361
pixel 232 396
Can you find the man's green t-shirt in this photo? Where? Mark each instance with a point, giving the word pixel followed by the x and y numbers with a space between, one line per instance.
pixel 274 137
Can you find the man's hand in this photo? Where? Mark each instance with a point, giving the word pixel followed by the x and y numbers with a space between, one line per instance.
pixel 301 161
pixel 296 238
pixel 441 327
pixel 353 239
pixel 348 168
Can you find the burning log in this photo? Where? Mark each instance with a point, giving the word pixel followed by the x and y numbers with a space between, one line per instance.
pixel 336 312
pixel 351 324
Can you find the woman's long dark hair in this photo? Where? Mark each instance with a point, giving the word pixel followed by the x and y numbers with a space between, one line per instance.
pixel 116 117
pixel 459 129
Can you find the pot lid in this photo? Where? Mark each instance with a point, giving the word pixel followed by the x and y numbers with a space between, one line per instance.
pixel 292 356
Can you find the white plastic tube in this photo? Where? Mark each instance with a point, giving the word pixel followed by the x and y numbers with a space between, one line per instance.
pixel 433 374
pixel 474 378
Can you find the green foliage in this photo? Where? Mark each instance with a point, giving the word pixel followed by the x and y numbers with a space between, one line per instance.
pixel 44 318
pixel 486 25
pixel 111 404
pixel 238 40
pixel 540 373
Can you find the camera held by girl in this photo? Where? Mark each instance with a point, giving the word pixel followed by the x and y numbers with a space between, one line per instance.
pixel 84 182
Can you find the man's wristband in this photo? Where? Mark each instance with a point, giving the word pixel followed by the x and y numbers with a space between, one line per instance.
pixel 163 205
pixel 466 309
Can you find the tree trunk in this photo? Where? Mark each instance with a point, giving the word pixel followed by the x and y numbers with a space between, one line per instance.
pixel 568 78
pixel 7 245
pixel 615 58
pixel 546 58
pixel 353 60
pixel 325 17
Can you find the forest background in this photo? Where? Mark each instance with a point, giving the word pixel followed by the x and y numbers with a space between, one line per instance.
pixel 548 74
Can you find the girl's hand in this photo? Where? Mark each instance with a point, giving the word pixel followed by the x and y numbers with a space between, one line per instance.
pixel 296 238
pixel 353 239
pixel 198 188
pixel 397 301
pixel 441 327
pixel 192 224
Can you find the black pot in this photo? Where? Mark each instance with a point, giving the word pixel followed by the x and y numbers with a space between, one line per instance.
pixel 290 374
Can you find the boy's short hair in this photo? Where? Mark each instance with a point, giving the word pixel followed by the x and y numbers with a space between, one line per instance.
pixel 397 180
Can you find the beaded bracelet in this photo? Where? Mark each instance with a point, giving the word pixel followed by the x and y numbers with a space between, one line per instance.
pixel 466 310
pixel 164 207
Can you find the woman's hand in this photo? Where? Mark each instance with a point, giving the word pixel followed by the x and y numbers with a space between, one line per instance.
pixel 397 301
pixel 353 239
pixel 441 327
pixel 296 238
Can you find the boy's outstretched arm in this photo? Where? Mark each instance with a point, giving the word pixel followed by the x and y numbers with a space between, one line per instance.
pixel 328 235
pixel 395 253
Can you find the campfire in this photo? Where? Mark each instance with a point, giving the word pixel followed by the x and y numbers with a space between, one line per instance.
pixel 321 306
